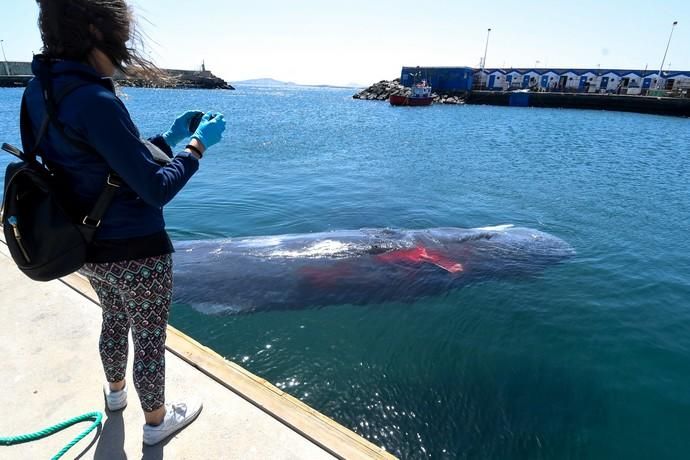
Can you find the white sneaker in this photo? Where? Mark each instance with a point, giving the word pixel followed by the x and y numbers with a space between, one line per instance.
pixel 115 400
pixel 177 416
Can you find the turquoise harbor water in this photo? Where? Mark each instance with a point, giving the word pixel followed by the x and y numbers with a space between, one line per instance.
pixel 589 360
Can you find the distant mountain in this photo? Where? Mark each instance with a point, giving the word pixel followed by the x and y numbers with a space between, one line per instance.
pixel 264 82
pixel 274 82
pixel 347 86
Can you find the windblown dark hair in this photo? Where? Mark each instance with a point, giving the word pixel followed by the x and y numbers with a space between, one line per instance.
pixel 70 29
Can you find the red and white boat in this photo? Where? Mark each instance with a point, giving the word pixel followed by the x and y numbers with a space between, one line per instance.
pixel 420 95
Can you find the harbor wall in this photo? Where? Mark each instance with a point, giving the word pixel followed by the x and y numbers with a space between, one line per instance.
pixel 19 81
pixel 14 74
pixel 14 68
pixel 622 103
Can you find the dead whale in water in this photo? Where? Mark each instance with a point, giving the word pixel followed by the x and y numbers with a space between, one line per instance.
pixel 353 266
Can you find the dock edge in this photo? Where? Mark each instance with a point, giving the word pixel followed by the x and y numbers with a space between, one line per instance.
pixel 323 431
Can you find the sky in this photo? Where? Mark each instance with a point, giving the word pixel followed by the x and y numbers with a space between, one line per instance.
pixel 364 41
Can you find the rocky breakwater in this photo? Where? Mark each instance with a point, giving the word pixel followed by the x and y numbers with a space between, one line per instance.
pixel 175 79
pixel 384 89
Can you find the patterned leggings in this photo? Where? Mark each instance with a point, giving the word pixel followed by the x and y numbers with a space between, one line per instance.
pixel 136 294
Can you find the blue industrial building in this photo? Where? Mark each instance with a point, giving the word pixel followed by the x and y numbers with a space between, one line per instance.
pixel 446 79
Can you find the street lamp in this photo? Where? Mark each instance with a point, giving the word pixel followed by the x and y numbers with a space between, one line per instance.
pixel 661 69
pixel 7 67
pixel 486 48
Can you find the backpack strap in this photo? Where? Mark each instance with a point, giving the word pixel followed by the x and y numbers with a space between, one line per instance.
pixel 52 101
pixel 92 221
pixel 30 142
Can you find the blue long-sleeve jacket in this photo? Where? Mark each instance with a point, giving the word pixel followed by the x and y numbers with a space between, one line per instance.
pixel 94 114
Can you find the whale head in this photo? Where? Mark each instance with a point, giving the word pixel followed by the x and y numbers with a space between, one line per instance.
pixel 507 249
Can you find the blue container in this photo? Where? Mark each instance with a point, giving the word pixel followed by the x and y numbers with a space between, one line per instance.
pixel 518 100
pixel 440 78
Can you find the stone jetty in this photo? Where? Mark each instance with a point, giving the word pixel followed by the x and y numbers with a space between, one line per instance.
pixel 188 79
pixel 384 89
pixel 17 74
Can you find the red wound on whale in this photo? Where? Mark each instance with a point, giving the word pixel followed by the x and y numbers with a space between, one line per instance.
pixel 420 254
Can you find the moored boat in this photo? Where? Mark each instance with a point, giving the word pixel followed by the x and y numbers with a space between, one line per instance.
pixel 419 96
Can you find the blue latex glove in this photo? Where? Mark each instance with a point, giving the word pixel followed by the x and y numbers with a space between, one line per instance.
pixel 179 129
pixel 210 129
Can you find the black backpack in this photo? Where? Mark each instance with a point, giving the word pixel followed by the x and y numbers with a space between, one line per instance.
pixel 46 234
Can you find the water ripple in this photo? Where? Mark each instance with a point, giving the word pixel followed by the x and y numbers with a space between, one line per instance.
pixel 590 360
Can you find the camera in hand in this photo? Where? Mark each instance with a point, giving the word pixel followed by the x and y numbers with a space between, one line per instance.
pixel 196 120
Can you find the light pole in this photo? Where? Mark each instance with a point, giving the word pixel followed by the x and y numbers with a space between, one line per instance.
pixel 486 48
pixel 7 67
pixel 661 69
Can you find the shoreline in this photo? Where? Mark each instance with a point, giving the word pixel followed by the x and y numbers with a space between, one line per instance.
pixel 654 105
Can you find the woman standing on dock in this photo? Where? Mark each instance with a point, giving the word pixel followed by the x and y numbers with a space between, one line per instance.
pixel 92 137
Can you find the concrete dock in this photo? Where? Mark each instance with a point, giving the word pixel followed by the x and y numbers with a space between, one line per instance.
pixel 51 372
pixel 673 106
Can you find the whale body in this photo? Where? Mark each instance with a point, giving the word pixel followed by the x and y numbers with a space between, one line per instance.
pixel 240 275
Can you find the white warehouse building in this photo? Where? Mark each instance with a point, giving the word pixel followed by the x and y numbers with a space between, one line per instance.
pixel 611 81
